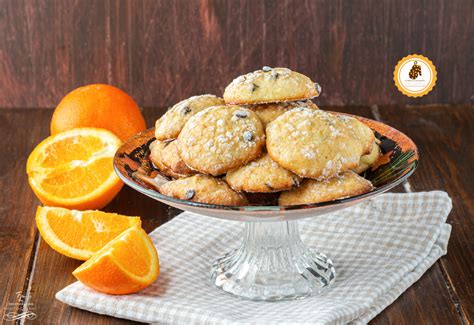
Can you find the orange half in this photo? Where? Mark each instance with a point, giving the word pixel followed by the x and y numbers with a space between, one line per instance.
pixel 74 169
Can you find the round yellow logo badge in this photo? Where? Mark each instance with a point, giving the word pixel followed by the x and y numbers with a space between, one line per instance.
pixel 415 75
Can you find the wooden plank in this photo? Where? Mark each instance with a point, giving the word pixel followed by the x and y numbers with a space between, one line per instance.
pixel 427 301
pixel 162 51
pixel 49 48
pixel 121 71
pixel 444 136
pixel 20 132
pixel 16 65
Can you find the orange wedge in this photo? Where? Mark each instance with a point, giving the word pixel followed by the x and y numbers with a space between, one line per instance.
pixel 74 169
pixel 80 234
pixel 127 264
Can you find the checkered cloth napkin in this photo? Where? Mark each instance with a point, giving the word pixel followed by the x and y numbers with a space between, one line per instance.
pixel 379 248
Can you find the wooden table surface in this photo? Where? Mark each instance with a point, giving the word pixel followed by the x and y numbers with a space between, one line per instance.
pixel 443 295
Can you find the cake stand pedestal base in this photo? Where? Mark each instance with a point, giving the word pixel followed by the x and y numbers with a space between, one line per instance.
pixel 272 264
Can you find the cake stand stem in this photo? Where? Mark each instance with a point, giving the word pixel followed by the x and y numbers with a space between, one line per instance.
pixel 272 263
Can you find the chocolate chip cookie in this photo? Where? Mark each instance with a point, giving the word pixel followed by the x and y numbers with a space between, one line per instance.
pixel 221 138
pixel 359 131
pixel 313 191
pixel 269 112
pixel 171 123
pixel 270 85
pixel 165 153
pixel 312 143
pixel 156 157
pixel 368 160
pixel 203 189
pixel 262 175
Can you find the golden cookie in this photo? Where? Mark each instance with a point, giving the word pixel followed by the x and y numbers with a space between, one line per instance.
pixel 269 112
pixel 262 175
pixel 368 160
pixel 221 138
pixel 166 152
pixel 170 124
pixel 312 143
pixel 156 157
pixel 313 191
pixel 203 189
pixel 269 86
pixel 360 131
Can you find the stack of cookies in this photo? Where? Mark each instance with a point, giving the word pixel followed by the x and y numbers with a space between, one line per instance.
pixel 265 136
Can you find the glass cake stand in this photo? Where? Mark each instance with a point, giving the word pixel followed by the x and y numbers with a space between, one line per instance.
pixel 272 263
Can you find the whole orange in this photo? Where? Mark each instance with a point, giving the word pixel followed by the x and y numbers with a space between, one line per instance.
pixel 98 106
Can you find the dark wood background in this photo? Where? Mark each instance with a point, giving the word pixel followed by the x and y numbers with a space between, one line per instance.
pixel 164 51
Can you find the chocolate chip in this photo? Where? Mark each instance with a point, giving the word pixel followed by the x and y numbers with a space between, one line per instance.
pixel 189 194
pixel 296 181
pixel 266 68
pixel 186 110
pixel 248 136
pixel 276 75
pixel 242 114
pixel 254 87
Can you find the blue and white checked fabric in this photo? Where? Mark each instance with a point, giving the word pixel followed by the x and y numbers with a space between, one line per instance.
pixel 379 248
